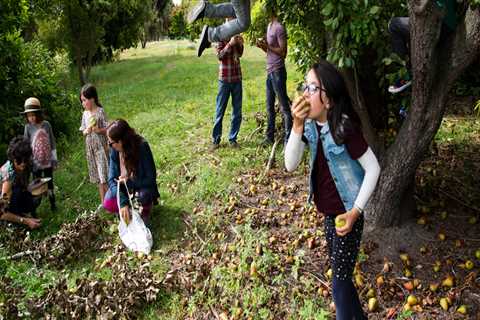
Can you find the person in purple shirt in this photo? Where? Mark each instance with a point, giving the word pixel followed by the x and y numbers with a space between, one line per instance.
pixel 275 46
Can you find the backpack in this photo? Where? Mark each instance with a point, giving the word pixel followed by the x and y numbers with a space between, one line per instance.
pixel 41 149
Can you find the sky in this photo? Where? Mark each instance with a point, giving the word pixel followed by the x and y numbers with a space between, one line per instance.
pixel 177 2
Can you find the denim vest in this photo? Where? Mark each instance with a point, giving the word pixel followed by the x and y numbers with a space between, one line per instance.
pixel 347 173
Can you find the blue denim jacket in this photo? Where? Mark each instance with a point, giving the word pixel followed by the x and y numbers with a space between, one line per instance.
pixel 346 173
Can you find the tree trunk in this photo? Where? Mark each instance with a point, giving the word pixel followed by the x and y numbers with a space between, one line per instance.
pixel 360 107
pixel 437 61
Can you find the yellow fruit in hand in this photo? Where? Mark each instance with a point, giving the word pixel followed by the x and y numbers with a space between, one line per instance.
pixel 92 121
pixel 340 222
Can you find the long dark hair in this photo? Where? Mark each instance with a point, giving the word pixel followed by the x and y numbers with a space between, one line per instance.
pixel 120 130
pixel 341 116
pixel 89 91
pixel 19 150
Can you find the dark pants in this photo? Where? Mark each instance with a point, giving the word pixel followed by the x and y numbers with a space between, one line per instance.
pixel 47 173
pixel 399 28
pixel 343 252
pixel 225 90
pixel 277 86
pixel 22 202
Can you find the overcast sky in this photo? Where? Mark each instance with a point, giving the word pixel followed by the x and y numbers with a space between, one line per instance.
pixel 177 2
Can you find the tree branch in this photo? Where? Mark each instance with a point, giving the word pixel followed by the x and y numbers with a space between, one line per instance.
pixel 466 44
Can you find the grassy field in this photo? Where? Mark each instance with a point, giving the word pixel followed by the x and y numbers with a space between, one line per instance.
pixel 168 95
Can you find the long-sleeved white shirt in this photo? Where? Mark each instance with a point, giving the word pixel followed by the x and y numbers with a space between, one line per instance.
pixel 294 152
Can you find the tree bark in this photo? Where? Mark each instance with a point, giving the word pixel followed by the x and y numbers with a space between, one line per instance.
pixel 437 61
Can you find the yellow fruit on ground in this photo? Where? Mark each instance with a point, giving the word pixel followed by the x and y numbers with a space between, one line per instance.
pixel 329 273
pixel 469 264
pixel 441 236
pixel 422 221
pixel 404 257
pixel 412 300
pixel 359 280
pixel 444 303
pixel 370 293
pixel 380 280
pixel 372 304
pixel 433 287
pixel 462 309
pixel 447 282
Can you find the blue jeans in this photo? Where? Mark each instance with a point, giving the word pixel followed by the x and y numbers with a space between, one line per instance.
pixel 226 89
pixel 277 86
pixel 239 9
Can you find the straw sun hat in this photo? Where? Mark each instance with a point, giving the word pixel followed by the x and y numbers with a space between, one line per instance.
pixel 32 105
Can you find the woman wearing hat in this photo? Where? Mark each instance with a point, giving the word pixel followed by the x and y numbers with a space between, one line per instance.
pixel 15 199
pixel 39 132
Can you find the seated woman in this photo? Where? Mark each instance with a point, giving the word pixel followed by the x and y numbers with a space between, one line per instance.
pixel 131 160
pixel 16 200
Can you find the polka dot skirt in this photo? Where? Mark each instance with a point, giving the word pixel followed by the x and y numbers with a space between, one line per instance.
pixel 343 251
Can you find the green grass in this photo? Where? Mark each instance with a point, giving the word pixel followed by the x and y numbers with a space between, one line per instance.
pixel 168 95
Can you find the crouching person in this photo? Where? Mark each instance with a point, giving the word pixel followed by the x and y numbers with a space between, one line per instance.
pixel 17 203
pixel 131 160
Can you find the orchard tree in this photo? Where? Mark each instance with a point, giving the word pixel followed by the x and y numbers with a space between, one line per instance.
pixel 354 35
pixel 92 30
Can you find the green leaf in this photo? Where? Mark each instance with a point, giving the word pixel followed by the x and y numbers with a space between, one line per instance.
pixel 374 10
pixel 327 10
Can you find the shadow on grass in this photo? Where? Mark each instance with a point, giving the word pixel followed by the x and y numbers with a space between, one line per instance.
pixel 166 225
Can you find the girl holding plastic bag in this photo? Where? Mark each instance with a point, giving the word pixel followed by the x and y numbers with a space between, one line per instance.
pixel 131 161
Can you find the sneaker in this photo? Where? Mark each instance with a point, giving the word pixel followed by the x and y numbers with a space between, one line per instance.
pixel 234 144
pixel 399 86
pixel 204 43
pixel 214 146
pixel 198 12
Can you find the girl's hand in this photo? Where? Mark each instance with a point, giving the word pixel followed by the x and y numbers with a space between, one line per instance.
pixel 122 179
pixel 300 111
pixel 350 217
pixel 125 213
pixel 87 131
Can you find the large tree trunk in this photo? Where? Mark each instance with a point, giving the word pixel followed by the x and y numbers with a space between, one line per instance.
pixel 436 64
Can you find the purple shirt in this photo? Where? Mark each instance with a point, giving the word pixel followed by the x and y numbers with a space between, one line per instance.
pixel 276 33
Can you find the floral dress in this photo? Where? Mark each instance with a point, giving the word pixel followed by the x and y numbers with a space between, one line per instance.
pixel 96 145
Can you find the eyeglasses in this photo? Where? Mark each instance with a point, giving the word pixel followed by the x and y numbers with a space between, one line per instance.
pixel 311 88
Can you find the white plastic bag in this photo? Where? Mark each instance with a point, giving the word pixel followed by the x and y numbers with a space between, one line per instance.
pixel 135 235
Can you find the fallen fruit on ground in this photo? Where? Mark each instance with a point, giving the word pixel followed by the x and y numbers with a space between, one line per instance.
pixel 412 300
pixel 444 303
pixel 372 304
